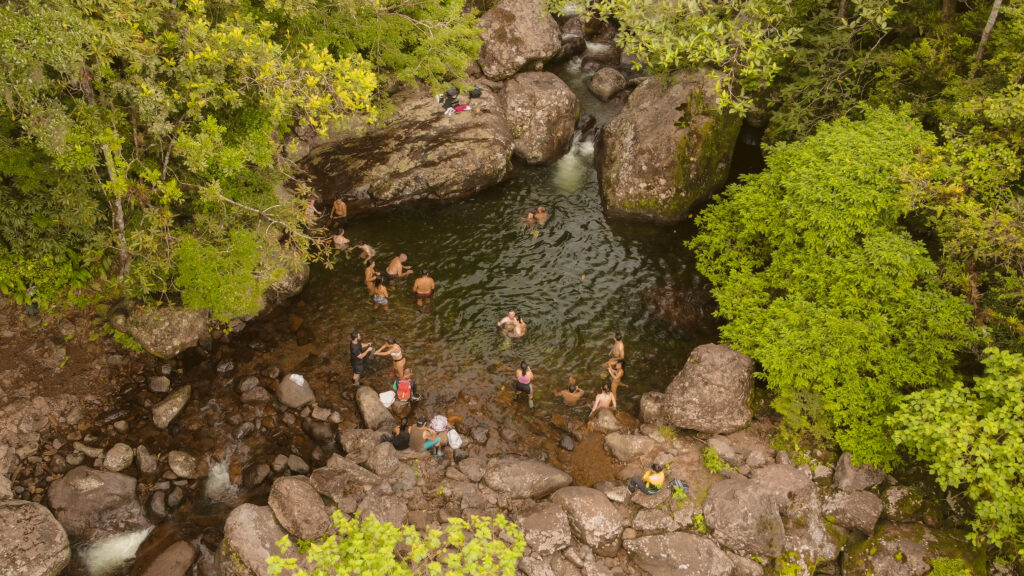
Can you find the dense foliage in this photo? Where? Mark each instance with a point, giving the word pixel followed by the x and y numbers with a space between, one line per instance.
pixel 822 284
pixel 483 546
pixel 146 144
pixel 972 438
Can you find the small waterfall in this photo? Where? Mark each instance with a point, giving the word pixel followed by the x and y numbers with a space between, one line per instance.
pixel 113 553
pixel 218 482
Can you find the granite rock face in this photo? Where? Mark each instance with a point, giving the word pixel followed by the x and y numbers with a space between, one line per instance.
pixel 33 543
pixel 542 112
pixel 518 35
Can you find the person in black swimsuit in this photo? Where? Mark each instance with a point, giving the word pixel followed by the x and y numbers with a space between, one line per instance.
pixel 357 352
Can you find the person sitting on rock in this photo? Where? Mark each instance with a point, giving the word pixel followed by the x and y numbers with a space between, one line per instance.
pixel 604 400
pixel 571 395
pixel 401 435
pixel 652 481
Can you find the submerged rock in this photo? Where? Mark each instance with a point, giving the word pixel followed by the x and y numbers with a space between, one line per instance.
pixel 420 154
pixel 33 543
pixel 168 409
pixel 119 457
pixel 165 330
pixel 174 561
pixel 542 112
pixel 711 394
pixel 183 464
pixel 669 148
pixel 517 35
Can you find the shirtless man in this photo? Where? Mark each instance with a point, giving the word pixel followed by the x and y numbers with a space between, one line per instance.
pixel 340 242
pixel 616 372
pixel 423 287
pixel 618 351
pixel 530 222
pixel 370 274
pixel 512 325
pixel 367 250
pixel 397 268
pixel 571 396
pixel 603 400
pixel 541 215
pixel 339 212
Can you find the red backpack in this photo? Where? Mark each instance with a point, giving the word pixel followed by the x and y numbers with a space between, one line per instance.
pixel 404 389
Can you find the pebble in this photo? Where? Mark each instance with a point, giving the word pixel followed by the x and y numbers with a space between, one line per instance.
pixel 273 372
pixel 321 414
pixel 75 458
pixel 225 366
pixel 567 443
pixel 297 465
pixel 175 497
pixel 89 451
pixel 121 426
pixel 280 463
pixel 159 384
pixel 248 384
pixel 166 369
pixel 335 417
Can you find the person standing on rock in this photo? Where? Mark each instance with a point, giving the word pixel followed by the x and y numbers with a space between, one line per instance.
pixel 571 395
pixel 604 400
pixel 394 350
pixel 357 353
pixel 380 294
pixel 397 268
pixel 370 275
pixel 423 288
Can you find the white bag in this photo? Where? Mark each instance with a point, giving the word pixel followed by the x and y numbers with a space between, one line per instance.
pixel 387 398
pixel 439 423
pixel 454 440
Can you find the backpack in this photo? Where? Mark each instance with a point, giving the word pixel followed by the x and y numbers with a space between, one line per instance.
pixel 404 390
pixel 476 93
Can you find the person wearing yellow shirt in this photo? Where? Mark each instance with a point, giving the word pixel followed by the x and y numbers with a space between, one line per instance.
pixel 652 481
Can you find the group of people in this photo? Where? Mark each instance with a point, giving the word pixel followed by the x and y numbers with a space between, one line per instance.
pixel 377 283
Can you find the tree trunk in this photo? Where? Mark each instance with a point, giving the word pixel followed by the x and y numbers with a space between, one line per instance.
pixel 948 9
pixel 842 10
pixel 988 28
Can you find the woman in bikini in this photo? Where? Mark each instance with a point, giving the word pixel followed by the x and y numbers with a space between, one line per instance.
pixel 394 350
pixel 524 381
pixel 380 294
pixel 604 400
pixel 616 372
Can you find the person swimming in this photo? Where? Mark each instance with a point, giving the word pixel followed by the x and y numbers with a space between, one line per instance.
pixel 571 395
pixel 524 381
pixel 423 288
pixel 541 215
pixel 512 325
pixel 367 250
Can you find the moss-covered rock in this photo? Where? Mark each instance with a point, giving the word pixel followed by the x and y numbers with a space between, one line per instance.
pixel 909 550
pixel 668 149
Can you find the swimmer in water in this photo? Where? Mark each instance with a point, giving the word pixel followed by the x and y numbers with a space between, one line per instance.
pixel 370 275
pixel 618 351
pixel 380 294
pixel 367 250
pixel 604 400
pixel 541 215
pixel 423 288
pixel 524 381
pixel 571 395
pixel 512 325
pixel 340 242
pixel 397 268
pixel 530 222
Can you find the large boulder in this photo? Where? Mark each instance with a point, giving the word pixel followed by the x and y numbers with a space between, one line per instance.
pixel 168 409
pixel 296 274
pixel 34 543
pixel 742 516
pixel 516 477
pixel 711 394
pixel 419 154
pixel 809 539
pixel 607 82
pixel 295 392
pixel 165 330
pixel 359 443
pixel 375 414
pixel 856 510
pixel 679 554
pixel 335 479
pixel 546 528
pixel 541 111
pixel 385 508
pixel 669 148
pixel 628 447
pixel 91 504
pixel 517 34
pixel 594 520
pixel 850 478
pixel 908 550
pixel 250 537
pixel 298 507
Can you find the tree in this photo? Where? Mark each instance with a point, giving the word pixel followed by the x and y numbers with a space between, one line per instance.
pixel 821 283
pixel 483 546
pixel 972 438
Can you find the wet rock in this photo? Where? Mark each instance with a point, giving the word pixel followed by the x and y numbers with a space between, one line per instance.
pixel 606 421
pixel 320 432
pixel 250 537
pixel 175 497
pixel 419 154
pixel 163 331
pixel 121 426
pixel 711 394
pixel 248 383
pixel 567 443
pixel 34 543
pixel 119 457
pixel 546 528
pixel 167 409
pixel 654 521
pixel 255 474
pixel 294 280
pixel 89 451
pixel 358 443
pixel 742 516
pixel 320 413
pixel 257 395
pixel 516 477
pixel 856 510
pixel 850 478
pixel 517 35
pixel 273 372
pixel 242 430
pixel 280 463
pixel 158 503
pixel 594 520
pixel 294 392
pixel 225 366
pixel 907 550
pixel 385 508
pixel 628 447
pixel 75 458
pixel 298 508
pixel 383 459
pixel 374 414
pixel 297 464
pixel 607 82
pixel 91 504
pixel 669 148
pixel 183 464
pixel 541 111
pixel 173 561
pixel 679 553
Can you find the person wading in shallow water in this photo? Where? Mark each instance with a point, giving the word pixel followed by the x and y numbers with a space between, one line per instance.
pixel 604 400
pixel 339 212
pixel 370 275
pixel 394 350
pixel 540 215
pixel 380 294
pixel 616 372
pixel 512 325
pixel 571 395
pixel 618 351
pixel 423 288
pixel 357 355
pixel 524 382
pixel 397 268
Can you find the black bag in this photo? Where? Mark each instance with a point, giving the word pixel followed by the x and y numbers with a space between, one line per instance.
pixel 476 93
pixel 452 92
